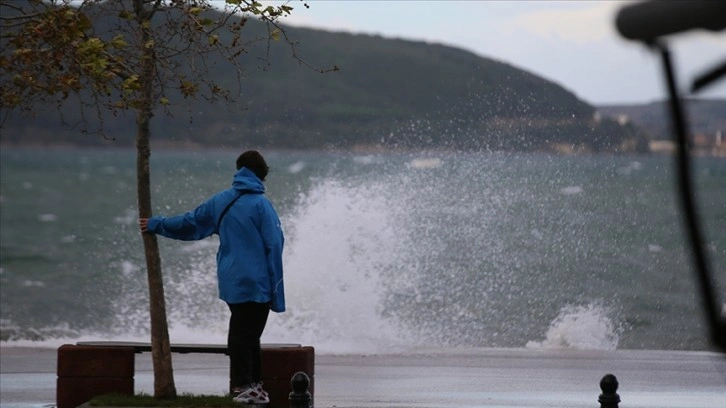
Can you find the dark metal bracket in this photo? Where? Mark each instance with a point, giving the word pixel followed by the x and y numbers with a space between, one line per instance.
pixel 648 22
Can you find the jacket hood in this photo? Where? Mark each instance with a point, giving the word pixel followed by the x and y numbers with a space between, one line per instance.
pixel 246 180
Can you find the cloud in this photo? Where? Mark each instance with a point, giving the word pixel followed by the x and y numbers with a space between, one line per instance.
pixel 581 22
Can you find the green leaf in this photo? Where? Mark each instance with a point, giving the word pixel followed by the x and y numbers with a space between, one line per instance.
pixel 131 84
pixel 188 88
pixel 118 42
pixel 126 15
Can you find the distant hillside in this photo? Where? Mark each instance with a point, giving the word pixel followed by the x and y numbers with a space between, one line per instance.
pixel 705 116
pixel 388 93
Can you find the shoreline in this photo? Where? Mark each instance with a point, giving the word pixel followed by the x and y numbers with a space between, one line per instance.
pixel 451 351
pixel 554 150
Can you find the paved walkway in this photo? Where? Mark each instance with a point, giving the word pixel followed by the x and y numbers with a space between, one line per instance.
pixel 432 378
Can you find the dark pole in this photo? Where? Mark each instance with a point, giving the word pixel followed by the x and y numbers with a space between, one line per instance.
pixel 609 397
pixel 300 396
pixel 683 167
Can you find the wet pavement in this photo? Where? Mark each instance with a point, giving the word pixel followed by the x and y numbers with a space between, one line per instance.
pixel 440 378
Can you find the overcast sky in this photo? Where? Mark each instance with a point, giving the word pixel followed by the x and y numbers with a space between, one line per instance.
pixel 573 43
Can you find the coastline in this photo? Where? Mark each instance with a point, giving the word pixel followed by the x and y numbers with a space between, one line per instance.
pixel 658 148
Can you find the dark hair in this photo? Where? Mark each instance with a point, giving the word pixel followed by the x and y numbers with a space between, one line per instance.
pixel 253 160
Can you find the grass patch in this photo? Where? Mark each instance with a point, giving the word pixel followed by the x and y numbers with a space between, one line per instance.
pixel 145 400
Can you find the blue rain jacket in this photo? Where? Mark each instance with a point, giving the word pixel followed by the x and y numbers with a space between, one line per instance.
pixel 249 258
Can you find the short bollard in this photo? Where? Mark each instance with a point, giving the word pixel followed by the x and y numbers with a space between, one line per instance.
pixel 300 397
pixel 609 397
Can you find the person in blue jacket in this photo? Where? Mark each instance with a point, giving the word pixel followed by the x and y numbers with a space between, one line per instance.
pixel 249 264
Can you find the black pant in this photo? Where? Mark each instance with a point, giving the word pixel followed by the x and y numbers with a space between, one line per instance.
pixel 246 324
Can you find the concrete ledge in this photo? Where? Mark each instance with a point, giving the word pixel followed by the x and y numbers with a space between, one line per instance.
pixel 90 369
pixel 85 372
pixel 278 367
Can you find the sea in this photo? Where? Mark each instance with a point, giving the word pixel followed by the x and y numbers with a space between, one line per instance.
pixel 384 251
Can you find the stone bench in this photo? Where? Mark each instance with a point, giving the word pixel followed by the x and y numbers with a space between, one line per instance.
pixel 90 369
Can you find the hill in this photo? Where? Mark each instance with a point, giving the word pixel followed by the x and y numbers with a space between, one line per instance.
pixel 705 116
pixel 706 122
pixel 387 93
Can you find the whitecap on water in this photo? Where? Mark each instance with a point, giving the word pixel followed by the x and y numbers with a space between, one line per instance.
pixel 571 190
pixel 47 217
pixel 128 268
pixel 32 284
pixel 127 218
pixel 425 163
pixel 368 159
pixel 582 328
pixel 630 168
pixel 296 167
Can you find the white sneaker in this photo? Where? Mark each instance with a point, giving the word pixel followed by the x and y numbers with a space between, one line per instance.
pixel 252 395
pixel 258 386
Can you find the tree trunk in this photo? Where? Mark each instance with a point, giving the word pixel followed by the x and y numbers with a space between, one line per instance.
pixel 164 387
pixel 160 347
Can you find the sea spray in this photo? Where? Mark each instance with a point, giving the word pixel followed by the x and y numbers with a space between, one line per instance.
pixel 478 250
pixel 340 238
pixel 587 327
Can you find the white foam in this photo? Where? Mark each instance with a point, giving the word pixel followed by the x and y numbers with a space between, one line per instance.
pixel 336 243
pixel 32 283
pixel 571 190
pixel 47 217
pixel 129 217
pixel 425 163
pixel 367 159
pixel 581 328
pixel 296 167
pixel 68 239
pixel 128 268
pixel 630 168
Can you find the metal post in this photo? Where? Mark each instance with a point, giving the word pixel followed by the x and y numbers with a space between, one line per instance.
pixel 609 397
pixel 693 227
pixel 300 396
